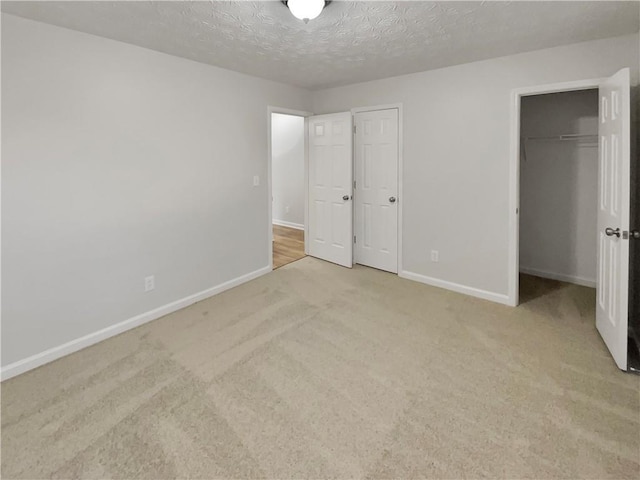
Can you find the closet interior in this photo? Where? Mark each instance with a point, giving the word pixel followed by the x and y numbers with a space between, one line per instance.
pixel 558 186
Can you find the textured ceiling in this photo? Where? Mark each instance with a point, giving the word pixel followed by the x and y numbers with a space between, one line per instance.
pixel 350 42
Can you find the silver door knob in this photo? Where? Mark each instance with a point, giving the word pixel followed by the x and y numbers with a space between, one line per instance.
pixel 392 199
pixel 635 234
pixel 345 197
pixel 610 232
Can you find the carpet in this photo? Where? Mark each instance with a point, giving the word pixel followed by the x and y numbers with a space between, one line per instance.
pixel 318 371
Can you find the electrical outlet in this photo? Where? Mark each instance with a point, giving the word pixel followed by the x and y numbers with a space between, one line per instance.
pixel 256 180
pixel 434 255
pixel 149 283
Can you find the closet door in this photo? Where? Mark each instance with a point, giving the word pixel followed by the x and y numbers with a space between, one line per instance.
pixel 613 215
pixel 376 189
pixel 330 188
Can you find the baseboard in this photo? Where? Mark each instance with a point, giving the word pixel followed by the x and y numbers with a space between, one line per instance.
pixel 456 287
pixel 585 282
pixel 284 223
pixel 39 359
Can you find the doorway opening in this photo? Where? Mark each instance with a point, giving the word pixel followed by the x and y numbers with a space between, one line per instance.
pixel 288 188
pixel 559 194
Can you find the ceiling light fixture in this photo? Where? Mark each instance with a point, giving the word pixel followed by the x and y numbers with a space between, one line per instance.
pixel 305 10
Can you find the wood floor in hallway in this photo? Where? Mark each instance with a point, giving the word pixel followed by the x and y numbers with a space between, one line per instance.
pixel 288 245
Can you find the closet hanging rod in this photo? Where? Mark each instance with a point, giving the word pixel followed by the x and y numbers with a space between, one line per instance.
pixel 567 136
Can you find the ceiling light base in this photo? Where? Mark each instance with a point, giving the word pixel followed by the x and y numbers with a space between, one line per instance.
pixel 306 10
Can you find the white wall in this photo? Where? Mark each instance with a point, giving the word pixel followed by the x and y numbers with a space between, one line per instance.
pixel 287 169
pixel 456 153
pixel 118 163
pixel 558 187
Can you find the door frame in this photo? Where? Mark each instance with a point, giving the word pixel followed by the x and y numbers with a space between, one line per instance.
pixel 297 113
pixel 513 267
pixel 400 202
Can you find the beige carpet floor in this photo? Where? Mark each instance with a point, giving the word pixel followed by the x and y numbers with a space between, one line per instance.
pixel 317 371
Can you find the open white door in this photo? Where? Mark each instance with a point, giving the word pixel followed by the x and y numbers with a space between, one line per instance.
pixel 613 215
pixel 331 188
pixel 376 192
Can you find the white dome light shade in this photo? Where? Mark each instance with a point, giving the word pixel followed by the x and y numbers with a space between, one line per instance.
pixel 305 9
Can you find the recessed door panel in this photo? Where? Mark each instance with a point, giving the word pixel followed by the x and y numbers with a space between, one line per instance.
pixel 318 152
pixel 340 168
pixel 615 176
pixel 338 215
pixel 602 270
pixel 367 238
pixel 603 171
pixel 317 233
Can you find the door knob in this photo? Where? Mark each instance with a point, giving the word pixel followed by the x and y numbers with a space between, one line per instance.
pixel 610 232
pixel 345 197
pixel 392 199
pixel 635 234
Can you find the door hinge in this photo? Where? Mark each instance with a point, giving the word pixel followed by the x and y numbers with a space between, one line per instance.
pixel 354 129
pixel 354 184
pixel 354 239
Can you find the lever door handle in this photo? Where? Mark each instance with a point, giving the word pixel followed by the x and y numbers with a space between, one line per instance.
pixel 610 232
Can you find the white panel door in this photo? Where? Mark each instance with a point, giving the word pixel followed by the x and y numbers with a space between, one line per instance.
pixel 376 189
pixel 331 188
pixel 613 215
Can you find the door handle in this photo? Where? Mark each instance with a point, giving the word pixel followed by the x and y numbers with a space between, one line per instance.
pixel 635 234
pixel 610 232
pixel 346 197
pixel 392 199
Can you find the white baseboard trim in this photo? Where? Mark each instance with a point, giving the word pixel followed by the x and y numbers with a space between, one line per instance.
pixel 456 287
pixel 60 351
pixel 284 223
pixel 585 282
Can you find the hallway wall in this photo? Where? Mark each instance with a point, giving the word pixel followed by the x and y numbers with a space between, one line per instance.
pixel 287 169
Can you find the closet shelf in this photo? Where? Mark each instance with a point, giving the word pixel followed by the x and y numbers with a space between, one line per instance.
pixel 567 136
pixel 586 140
